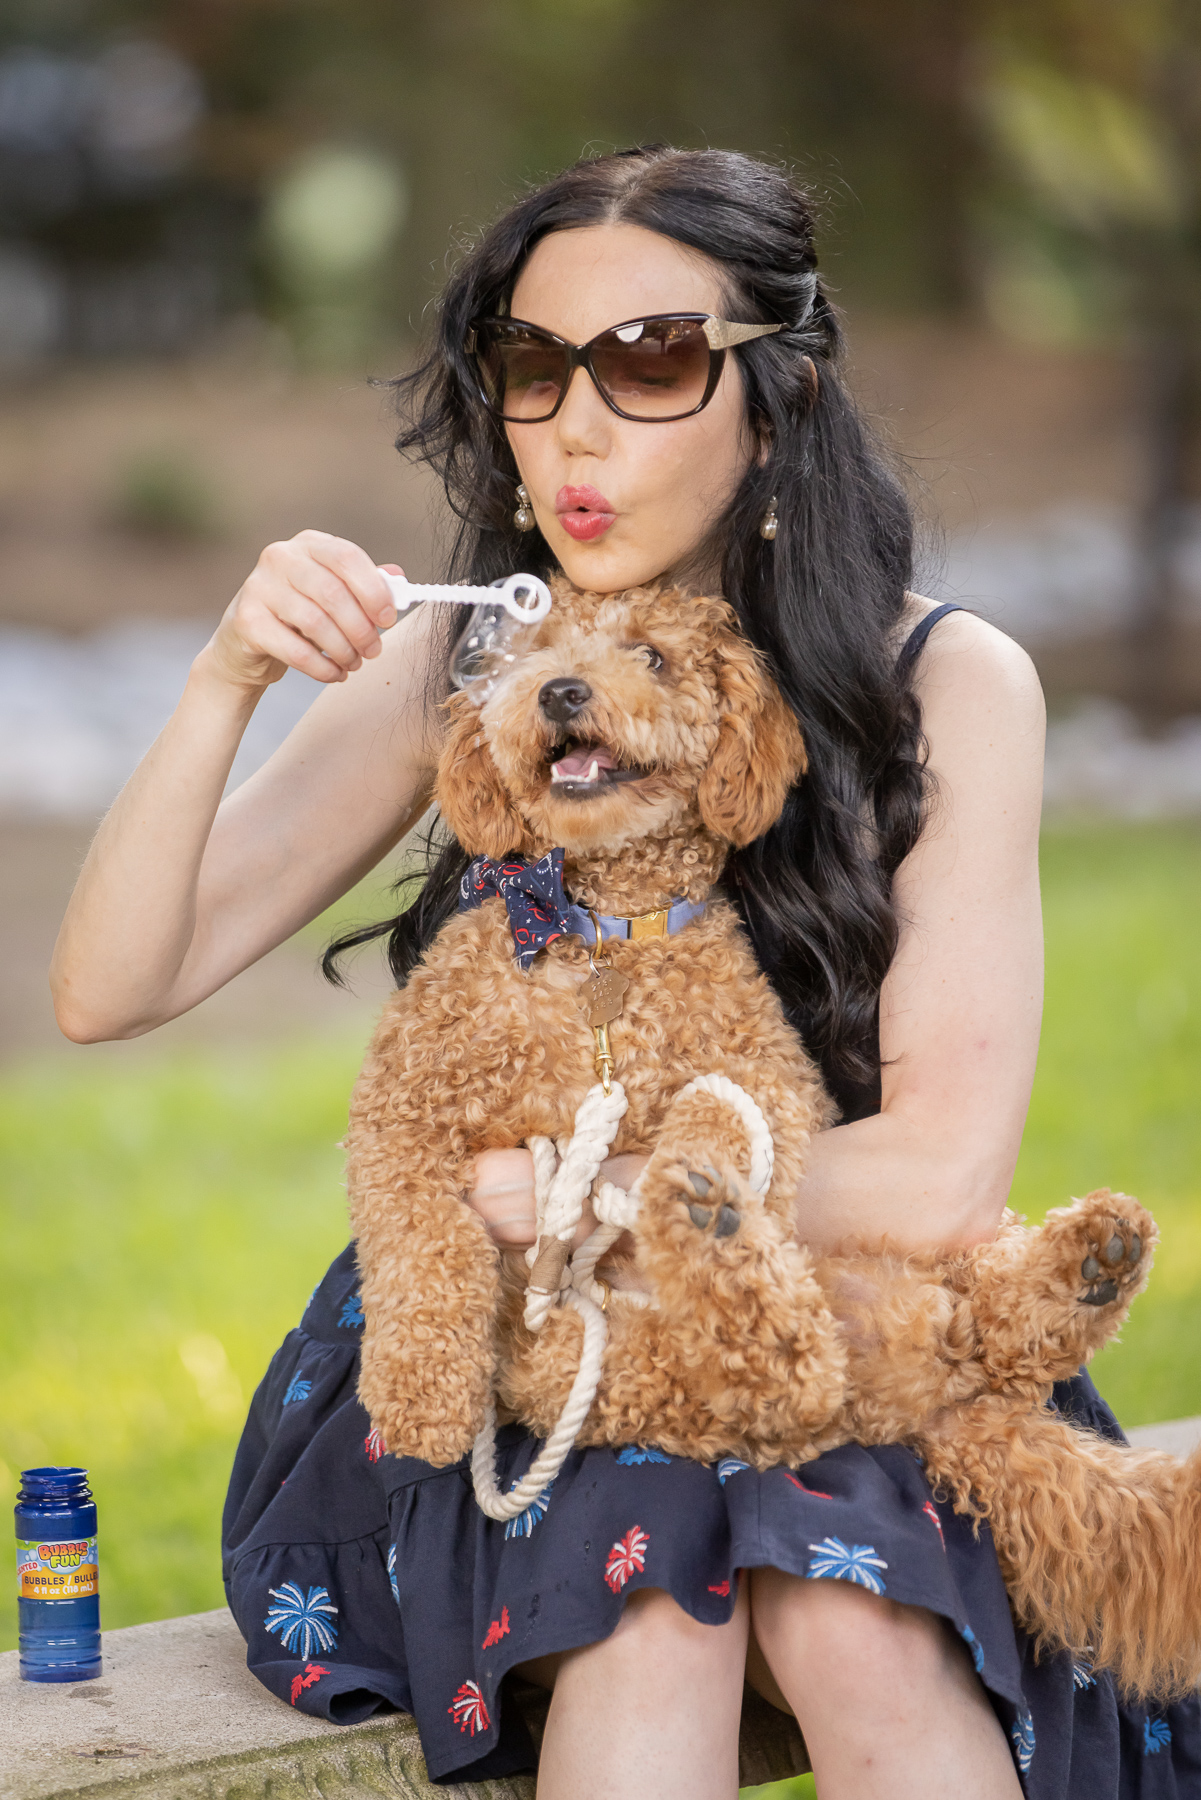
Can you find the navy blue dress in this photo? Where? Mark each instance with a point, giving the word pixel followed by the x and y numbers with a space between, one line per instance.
pixel 365 1582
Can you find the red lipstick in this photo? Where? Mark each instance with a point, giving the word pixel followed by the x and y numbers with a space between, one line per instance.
pixel 583 512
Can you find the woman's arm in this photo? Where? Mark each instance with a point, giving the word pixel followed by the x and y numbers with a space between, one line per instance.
pixel 961 1006
pixel 181 890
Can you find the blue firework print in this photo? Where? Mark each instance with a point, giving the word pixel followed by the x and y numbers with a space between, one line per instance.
pixel 974 1645
pixel 523 1525
pixel 1157 1735
pixel 352 1312
pixel 1082 1674
pixel 634 1454
pixel 835 1561
pixel 298 1389
pixel 392 1582
pixel 304 1624
pixel 1022 1733
pixel 729 1465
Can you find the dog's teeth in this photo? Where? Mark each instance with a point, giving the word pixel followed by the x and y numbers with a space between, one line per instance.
pixel 556 774
pixel 594 771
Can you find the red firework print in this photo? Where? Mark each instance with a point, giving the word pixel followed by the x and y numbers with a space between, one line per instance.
pixel 627 1555
pixel 469 1709
pixel 935 1521
pixel 312 1675
pixel 816 1492
pixel 373 1444
pixel 722 1588
pixel 498 1629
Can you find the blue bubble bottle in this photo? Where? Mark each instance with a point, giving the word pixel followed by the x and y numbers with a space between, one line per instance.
pixel 58 1578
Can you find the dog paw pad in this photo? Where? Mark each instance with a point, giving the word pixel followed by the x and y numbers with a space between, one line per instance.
pixel 719 1216
pixel 1121 1254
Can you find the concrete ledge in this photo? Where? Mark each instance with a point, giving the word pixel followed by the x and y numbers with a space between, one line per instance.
pixel 1180 1436
pixel 178 1716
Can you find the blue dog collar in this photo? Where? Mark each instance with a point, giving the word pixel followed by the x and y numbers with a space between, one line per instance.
pixel 664 922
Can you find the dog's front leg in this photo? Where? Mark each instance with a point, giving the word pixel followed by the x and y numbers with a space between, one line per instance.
pixel 755 1337
pixel 430 1288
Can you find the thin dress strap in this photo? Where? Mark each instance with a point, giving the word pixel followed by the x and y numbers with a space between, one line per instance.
pixel 911 649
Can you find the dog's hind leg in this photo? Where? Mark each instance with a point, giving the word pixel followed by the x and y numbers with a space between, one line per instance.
pixel 757 1344
pixel 1044 1300
pixel 430 1288
pixel 1100 1544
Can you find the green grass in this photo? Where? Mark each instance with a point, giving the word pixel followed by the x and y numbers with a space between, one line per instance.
pixel 166 1218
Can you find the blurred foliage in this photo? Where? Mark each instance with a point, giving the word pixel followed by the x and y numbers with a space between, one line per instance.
pixel 161 493
pixel 169 1217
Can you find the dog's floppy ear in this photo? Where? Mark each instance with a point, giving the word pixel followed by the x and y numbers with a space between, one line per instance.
pixel 471 796
pixel 759 752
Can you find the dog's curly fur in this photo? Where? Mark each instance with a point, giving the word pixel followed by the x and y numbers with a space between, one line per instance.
pixel 753 1348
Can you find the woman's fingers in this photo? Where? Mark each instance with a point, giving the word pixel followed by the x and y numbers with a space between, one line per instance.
pixel 314 602
pixel 502 1193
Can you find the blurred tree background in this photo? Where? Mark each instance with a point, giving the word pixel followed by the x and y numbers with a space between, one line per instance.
pixel 165 164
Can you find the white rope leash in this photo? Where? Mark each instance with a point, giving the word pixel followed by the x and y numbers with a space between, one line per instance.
pixel 565 1279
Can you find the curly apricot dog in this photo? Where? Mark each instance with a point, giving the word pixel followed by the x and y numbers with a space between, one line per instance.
pixel 642 737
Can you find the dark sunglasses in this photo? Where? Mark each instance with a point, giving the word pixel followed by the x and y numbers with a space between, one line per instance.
pixel 652 370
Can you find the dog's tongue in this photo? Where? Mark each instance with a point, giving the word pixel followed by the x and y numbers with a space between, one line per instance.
pixel 578 762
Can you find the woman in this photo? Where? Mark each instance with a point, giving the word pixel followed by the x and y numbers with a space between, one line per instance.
pixel 895 907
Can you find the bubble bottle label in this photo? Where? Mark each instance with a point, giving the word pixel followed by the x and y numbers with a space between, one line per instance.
pixel 58 1577
pixel 67 1570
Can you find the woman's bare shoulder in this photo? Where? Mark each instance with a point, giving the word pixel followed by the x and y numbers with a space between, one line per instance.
pixel 968 668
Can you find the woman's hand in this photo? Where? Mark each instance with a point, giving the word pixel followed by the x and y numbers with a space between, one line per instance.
pixel 315 603
pixel 503 1194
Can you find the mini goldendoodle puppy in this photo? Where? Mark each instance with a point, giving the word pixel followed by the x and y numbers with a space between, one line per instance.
pixel 636 742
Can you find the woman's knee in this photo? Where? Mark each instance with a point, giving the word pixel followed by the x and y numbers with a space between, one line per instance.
pixel 833 1634
pixel 657 1645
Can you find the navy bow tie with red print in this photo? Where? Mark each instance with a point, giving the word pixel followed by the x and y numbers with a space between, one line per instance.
pixel 539 911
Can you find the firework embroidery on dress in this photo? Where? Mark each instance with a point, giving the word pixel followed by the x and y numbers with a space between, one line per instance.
pixel 930 1512
pixel 304 1625
pixel 729 1465
pixel 523 1525
pixel 469 1710
pixel 835 1561
pixel 974 1645
pixel 1022 1733
pixel 392 1581
pixel 373 1444
pixel 298 1389
pixel 627 1556
pixel 352 1312
pixel 1082 1672
pixel 815 1492
pixel 311 1676
pixel 497 1629
pixel 634 1454
pixel 1157 1735
pixel 722 1588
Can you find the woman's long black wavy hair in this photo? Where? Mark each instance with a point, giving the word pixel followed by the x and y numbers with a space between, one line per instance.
pixel 822 603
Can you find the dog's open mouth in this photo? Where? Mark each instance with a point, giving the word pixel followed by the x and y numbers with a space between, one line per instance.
pixel 579 770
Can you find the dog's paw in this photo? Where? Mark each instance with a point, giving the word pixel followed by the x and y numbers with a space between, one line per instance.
pixel 1113 1260
pixel 1100 1249
pixel 715 1201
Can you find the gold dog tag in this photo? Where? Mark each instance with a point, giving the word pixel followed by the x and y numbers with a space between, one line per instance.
pixel 604 994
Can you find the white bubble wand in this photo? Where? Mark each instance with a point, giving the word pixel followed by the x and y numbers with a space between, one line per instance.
pixel 498 632
pixel 524 597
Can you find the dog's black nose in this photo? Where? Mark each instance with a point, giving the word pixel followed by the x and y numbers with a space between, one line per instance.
pixel 564 697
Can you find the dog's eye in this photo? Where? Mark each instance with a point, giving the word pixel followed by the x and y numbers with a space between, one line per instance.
pixel 650 656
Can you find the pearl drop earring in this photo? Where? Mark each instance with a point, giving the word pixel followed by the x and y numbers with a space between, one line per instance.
pixel 523 518
pixel 769 523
